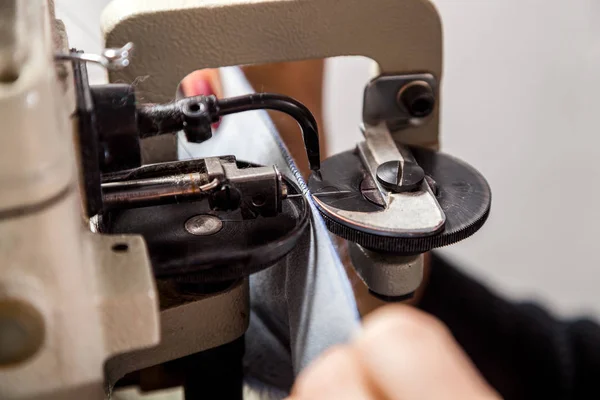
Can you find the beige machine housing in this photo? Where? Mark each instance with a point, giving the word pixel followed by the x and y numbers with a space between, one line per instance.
pixel 176 37
pixel 80 298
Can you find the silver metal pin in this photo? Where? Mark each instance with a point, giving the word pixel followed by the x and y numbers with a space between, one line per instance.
pixel 112 58
pixel 291 196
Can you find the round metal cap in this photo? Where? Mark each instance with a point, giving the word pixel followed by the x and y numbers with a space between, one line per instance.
pixel 203 225
pixel 395 176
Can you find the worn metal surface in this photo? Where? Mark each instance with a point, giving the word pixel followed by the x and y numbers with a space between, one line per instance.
pixel 398 176
pixel 256 190
pixel 159 190
pixel 404 214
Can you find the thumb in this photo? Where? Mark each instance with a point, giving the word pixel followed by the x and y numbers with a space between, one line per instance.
pixel 401 354
pixel 411 355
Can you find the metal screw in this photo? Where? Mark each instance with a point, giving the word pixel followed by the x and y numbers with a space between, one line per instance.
pixel 395 176
pixel 203 225
pixel 418 98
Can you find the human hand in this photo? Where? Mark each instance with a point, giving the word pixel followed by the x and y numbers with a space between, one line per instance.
pixel 401 354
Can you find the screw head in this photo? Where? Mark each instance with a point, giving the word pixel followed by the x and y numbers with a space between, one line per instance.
pixel 203 225
pixel 395 176
pixel 418 98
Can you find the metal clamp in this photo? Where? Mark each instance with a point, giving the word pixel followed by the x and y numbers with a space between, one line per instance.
pixel 417 211
pixel 256 190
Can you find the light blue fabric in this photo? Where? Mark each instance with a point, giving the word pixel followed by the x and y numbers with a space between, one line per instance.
pixel 304 304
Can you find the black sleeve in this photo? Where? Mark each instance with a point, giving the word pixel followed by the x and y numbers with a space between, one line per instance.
pixel 520 349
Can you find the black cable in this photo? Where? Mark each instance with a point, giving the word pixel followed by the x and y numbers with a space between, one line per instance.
pixel 195 114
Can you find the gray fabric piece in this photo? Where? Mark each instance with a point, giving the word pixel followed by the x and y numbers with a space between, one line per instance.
pixel 304 304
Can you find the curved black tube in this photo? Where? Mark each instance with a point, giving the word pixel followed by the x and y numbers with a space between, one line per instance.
pixel 285 104
pixel 198 112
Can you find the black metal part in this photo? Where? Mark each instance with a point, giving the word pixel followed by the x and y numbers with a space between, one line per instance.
pixel 462 193
pixel 400 177
pixel 285 104
pixel 196 114
pixel 88 140
pixel 215 373
pixel 197 120
pixel 240 248
pixel 387 98
pixel 227 198
pixel 418 99
pixel 116 122
pixel 159 119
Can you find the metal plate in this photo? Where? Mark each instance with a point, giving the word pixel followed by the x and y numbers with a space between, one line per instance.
pixel 462 193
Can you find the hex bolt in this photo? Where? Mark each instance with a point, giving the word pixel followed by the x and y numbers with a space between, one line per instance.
pixel 417 98
pixel 203 225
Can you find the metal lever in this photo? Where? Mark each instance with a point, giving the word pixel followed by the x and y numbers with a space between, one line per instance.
pixel 112 59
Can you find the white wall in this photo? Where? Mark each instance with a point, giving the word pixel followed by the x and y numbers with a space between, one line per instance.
pixel 519 103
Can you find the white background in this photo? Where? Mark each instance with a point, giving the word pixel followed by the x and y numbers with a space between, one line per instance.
pixel 520 103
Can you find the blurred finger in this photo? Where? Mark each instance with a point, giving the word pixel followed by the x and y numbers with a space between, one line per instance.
pixel 411 355
pixel 205 82
pixel 336 375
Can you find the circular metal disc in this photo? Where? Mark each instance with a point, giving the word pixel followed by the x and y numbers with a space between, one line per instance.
pixel 462 192
pixel 203 225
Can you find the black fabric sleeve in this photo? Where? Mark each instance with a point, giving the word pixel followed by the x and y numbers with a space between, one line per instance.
pixel 520 349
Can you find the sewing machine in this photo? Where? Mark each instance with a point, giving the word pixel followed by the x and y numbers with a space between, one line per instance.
pixel 112 247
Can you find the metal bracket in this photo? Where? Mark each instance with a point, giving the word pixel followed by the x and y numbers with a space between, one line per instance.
pixel 399 100
pixel 425 215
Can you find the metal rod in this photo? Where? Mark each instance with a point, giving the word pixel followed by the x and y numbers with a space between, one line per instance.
pixel 292 196
pixel 111 58
pixel 155 191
